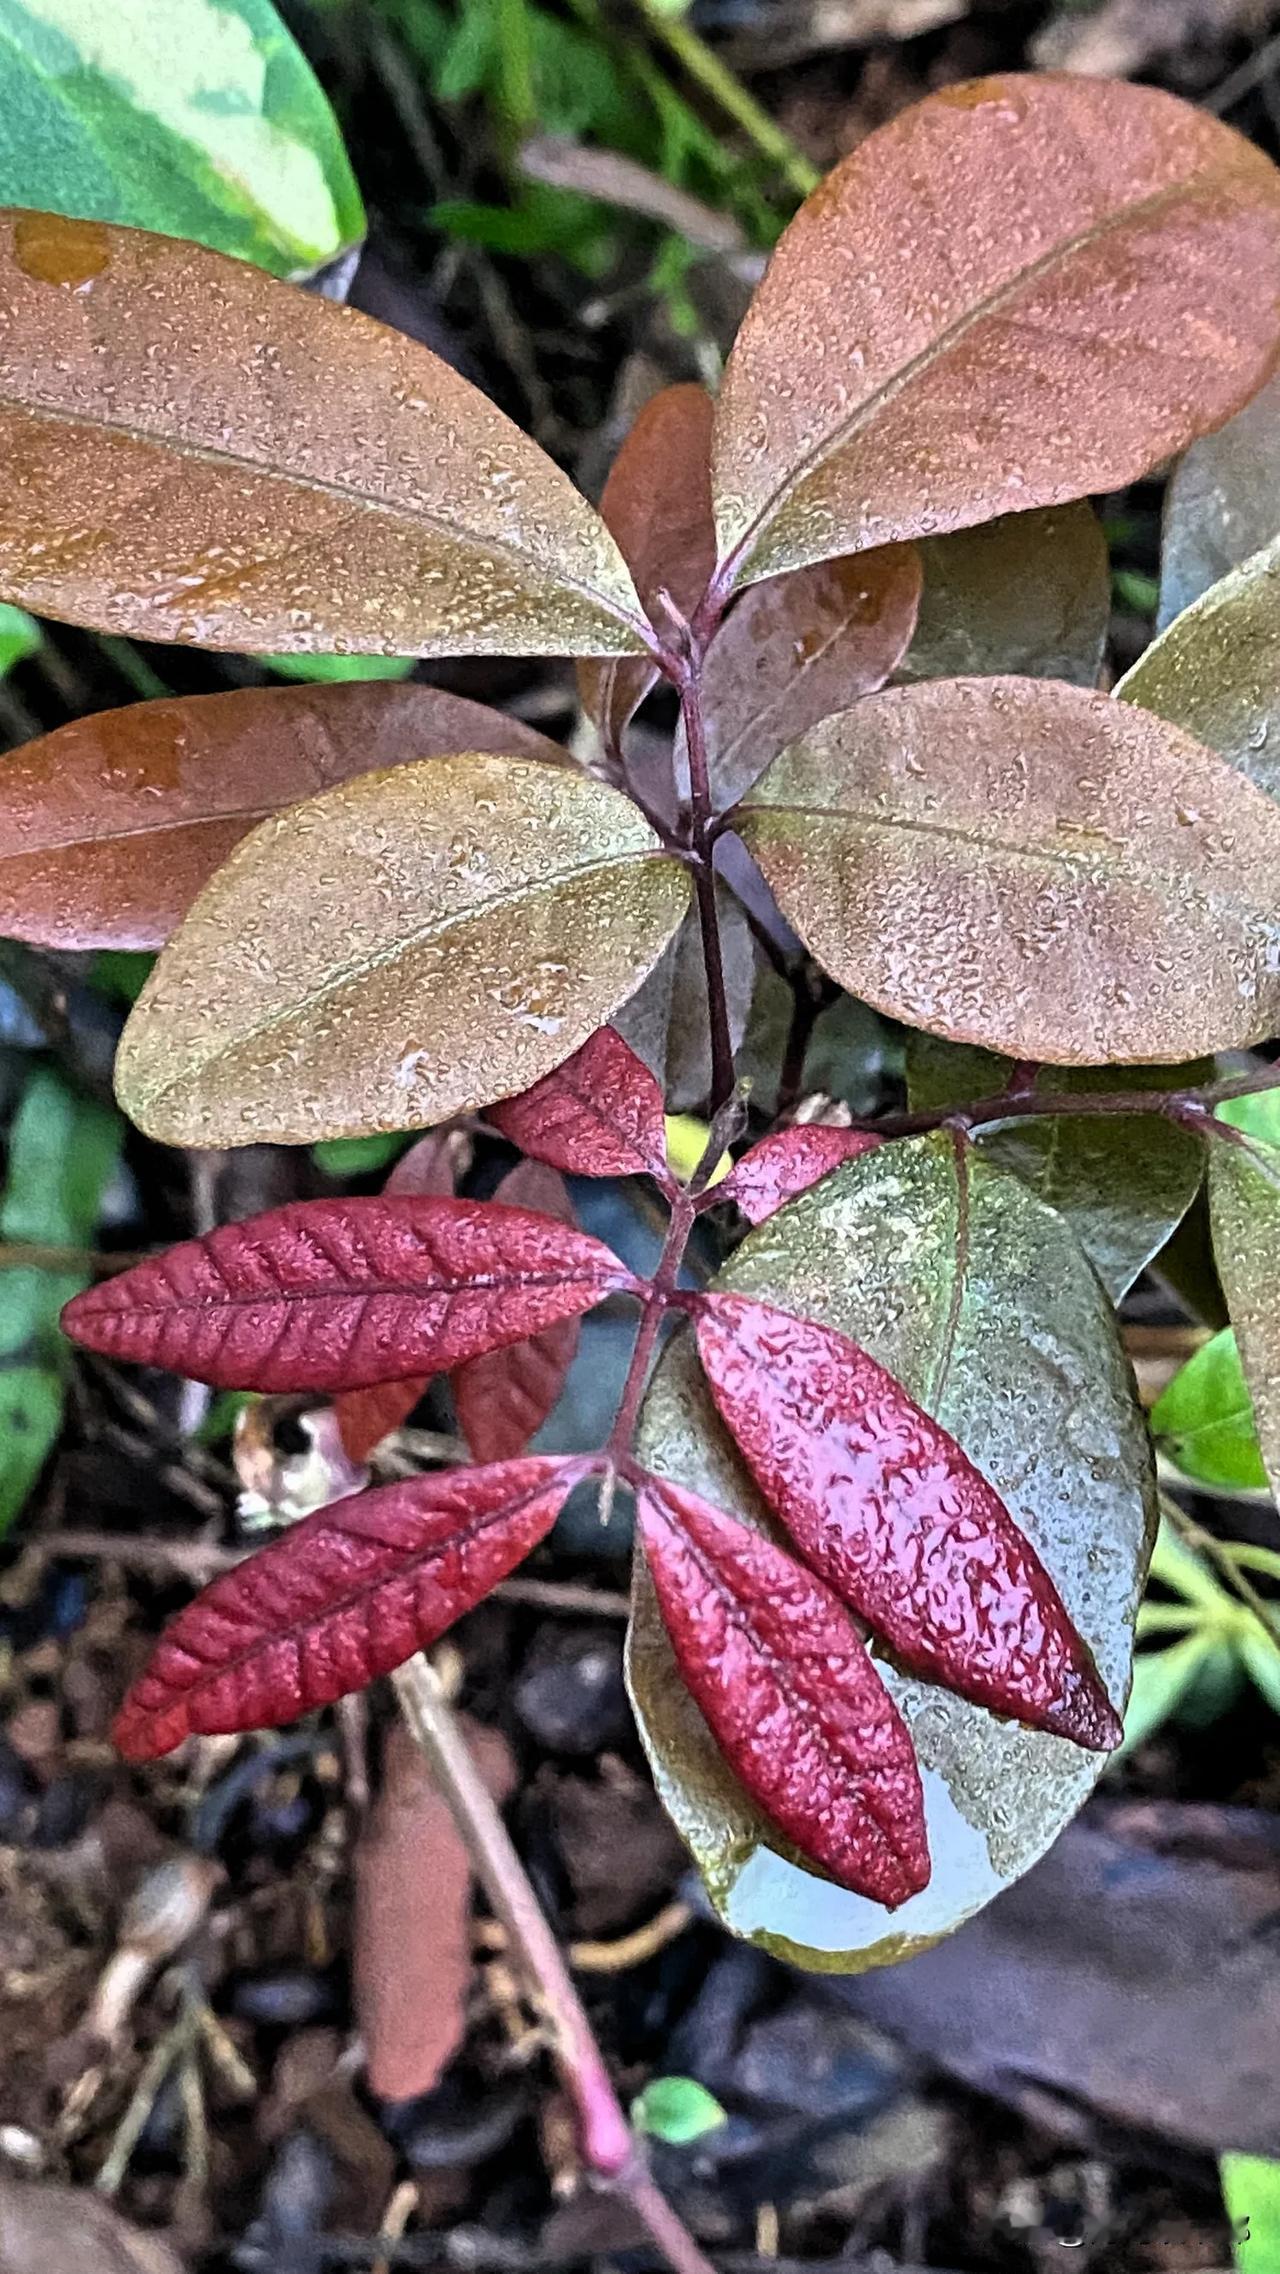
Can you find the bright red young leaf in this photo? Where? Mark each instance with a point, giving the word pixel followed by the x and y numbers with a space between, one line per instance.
pixel 339 1598
pixel 788 1162
pixel 366 1416
pixel 600 1114
pixel 886 1506
pixel 336 1294
pixel 503 1397
pixel 782 1677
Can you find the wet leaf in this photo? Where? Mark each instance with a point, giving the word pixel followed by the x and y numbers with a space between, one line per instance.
pixel 1029 593
pixel 365 1417
pixel 1092 282
pixel 343 1596
pixel 336 1294
pixel 282 473
pixel 795 649
pixel 62 1151
pixel 1244 1199
pixel 396 951
pixel 783 1677
pixel 1124 1183
pixel 1216 670
pixel 110 826
pixel 1025 865
pixel 502 1397
pixel 1222 504
pixel 888 1509
pixel 787 1163
pixel 222 136
pixel 657 502
pixel 1205 1417
pixel 600 1114
pixel 666 1020
pixel 978 1300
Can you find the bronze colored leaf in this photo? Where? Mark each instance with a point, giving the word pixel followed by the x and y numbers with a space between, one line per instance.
pixel 1028 866
pixel 1018 291
pixel 400 949
pixel 1222 503
pixel 795 649
pixel 1029 593
pixel 1244 1200
pixel 657 502
pixel 1216 670
pixel 195 451
pixel 978 1300
pixel 110 826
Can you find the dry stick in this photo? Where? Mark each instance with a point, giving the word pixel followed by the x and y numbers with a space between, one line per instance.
pixel 608 2144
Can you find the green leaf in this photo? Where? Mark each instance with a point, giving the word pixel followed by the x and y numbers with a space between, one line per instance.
pixel 1206 1417
pixel 1244 1200
pixel 340 667
pixel 1161 1679
pixel 358 1156
pixel 203 121
pixel 980 1301
pixel 1029 593
pixel 676 2109
pixel 20 636
pixel 410 945
pixel 62 1150
pixel 1123 1184
pixel 1251 2192
pixel 1222 503
pixel 1215 671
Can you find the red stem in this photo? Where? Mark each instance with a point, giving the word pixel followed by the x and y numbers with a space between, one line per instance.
pixel 701 820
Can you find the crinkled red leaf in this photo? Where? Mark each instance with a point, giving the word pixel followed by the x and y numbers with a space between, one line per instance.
pixel 503 1397
pixel 366 1416
pixel 335 1294
pixel 886 1506
pixel 788 1162
pixel 600 1114
pixel 339 1598
pixel 784 1681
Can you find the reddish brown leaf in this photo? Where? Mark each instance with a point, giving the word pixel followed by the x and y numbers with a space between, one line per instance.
pixel 657 503
pixel 503 1397
pixel 788 1162
pixel 337 1294
pixel 343 1596
pixel 785 1683
pixel 366 1416
pixel 110 826
pixel 886 1506
pixel 795 649
pixel 600 1114
pixel 1019 291
pixel 199 452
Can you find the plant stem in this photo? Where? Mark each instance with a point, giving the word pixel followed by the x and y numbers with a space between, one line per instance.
pixel 608 2144
pixel 683 1211
pixel 1194 1106
pixel 701 816
pixel 715 78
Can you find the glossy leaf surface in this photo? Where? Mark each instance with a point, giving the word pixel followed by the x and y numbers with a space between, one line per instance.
pixel 979 1301
pixel 365 1417
pixel 282 473
pixel 1222 504
pixel 334 1294
pixel 1093 281
pixel 657 502
pixel 396 951
pixel 795 649
pixel 340 1598
pixel 895 1517
pixel 110 826
pixel 1244 1199
pixel 502 1397
pixel 1029 593
pixel 600 1114
pixel 222 135
pixel 1124 1183
pixel 1216 670
pixel 1028 866
pixel 787 1163
pixel 786 1685
pixel 1205 1418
